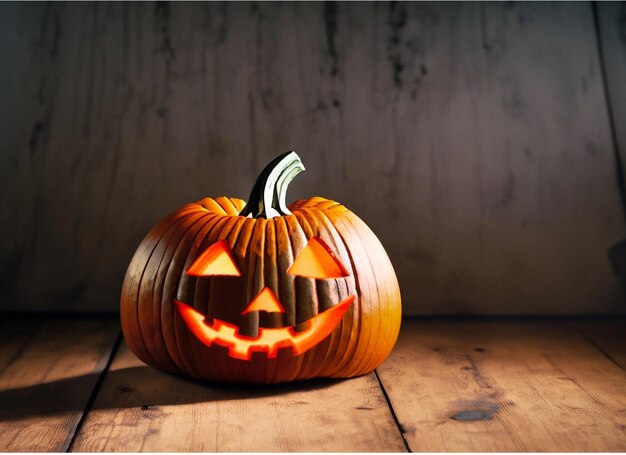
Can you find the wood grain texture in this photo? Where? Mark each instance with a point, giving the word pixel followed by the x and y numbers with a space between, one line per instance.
pixel 609 337
pixel 47 373
pixel 472 138
pixel 504 386
pixel 140 409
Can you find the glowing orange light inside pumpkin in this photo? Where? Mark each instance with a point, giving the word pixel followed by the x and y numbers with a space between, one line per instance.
pixel 265 300
pixel 215 260
pixel 317 260
pixel 268 340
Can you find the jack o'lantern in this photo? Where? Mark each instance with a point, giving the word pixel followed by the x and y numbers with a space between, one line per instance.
pixel 261 292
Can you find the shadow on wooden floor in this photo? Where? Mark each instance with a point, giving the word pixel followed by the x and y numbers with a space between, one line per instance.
pixel 142 387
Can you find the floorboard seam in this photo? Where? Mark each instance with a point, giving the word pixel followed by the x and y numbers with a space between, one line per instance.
pixel 94 392
pixel 393 412
pixel 599 348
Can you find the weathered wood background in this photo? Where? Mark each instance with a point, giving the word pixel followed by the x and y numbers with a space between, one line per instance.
pixel 479 141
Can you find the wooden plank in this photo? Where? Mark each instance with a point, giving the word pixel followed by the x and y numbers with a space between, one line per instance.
pixel 47 373
pixel 139 409
pixel 504 386
pixel 611 16
pixel 608 337
pixel 14 337
pixel 472 137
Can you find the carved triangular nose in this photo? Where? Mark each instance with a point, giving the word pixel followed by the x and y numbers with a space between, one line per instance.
pixel 265 300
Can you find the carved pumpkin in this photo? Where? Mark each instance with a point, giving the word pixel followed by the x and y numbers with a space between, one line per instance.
pixel 260 292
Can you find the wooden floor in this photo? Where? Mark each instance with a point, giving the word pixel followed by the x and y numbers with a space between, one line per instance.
pixel 461 385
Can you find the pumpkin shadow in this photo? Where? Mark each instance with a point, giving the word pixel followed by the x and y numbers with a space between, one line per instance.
pixel 139 387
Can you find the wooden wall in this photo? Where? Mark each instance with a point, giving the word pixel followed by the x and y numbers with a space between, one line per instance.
pixel 477 140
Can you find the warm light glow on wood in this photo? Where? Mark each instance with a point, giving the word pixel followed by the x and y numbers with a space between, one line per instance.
pixel 216 260
pixel 317 260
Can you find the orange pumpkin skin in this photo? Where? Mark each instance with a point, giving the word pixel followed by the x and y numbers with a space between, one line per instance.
pixel 264 249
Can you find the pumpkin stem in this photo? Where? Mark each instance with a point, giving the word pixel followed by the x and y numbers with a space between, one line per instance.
pixel 267 198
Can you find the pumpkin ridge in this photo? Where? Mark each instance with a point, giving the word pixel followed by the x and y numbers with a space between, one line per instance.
pixel 208 357
pixel 255 283
pixel 182 287
pixel 361 343
pixel 347 327
pixel 145 314
pixel 214 362
pixel 365 365
pixel 159 308
pixel 242 251
pixel 162 273
pixel 349 351
pixel 211 205
pixel 297 240
pixel 285 361
pixel 154 270
pixel 368 364
pixel 227 206
pixel 337 335
pixel 129 302
pixel 238 203
pixel 233 237
pixel 329 287
pixel 270 271
pixel 391 290
pixel 310 284
pixel 326 299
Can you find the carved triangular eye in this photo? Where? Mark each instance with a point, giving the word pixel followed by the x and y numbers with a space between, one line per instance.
pixel 317 261
pixel 215 260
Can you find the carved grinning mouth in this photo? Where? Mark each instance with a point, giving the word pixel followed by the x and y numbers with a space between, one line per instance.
pixel 316 260
pixel 268 340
